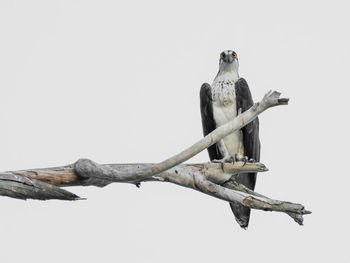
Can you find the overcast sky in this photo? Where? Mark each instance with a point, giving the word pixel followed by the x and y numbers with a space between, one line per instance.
pixel 118 81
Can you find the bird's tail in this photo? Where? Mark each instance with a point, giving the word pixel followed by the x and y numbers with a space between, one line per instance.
pixel 241 212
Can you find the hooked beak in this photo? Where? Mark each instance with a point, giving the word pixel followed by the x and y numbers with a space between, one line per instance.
pixel 229 58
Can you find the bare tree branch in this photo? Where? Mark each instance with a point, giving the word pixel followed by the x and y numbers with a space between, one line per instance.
pixel 271 99
pixel 208 178
pixel 22 187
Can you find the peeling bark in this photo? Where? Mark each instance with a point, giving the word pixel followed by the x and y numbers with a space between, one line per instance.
pixel 22 187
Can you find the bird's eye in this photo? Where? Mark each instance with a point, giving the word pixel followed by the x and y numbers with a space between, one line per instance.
pixel 222 56
pixel 234 55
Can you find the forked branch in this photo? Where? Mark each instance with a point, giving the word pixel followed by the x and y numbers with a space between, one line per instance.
pixel 208 178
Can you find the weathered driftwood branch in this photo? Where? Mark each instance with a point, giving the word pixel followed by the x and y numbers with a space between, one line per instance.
pixel 207 178
pixel 20 185
pixel 271 99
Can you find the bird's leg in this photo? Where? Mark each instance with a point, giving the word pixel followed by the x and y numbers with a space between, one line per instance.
pixel 227 158
pixel 222 148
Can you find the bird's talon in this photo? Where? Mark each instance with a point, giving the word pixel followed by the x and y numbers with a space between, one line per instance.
pixel 244 159
pixel 226 159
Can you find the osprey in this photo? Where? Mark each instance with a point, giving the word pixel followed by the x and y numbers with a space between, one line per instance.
pixel 228 96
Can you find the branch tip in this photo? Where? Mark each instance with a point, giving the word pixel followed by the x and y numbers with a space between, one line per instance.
pixel 283 101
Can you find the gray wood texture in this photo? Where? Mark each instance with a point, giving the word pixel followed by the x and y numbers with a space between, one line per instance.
pixel 209 178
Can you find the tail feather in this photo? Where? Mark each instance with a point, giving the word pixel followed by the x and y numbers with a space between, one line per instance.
pixel 241 212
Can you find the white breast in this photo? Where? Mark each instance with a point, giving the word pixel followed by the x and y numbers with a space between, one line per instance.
pixel 225 110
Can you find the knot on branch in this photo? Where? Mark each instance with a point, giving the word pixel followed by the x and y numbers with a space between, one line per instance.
pixel 90 173
pixel 86 168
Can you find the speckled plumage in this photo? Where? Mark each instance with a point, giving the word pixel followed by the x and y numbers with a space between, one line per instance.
pixel 225 109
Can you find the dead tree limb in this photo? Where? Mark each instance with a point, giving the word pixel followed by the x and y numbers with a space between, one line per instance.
pixel 208 178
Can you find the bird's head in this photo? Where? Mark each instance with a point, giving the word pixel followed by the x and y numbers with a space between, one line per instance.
pixel 228 61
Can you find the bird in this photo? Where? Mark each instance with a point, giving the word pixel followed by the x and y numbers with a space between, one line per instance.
pixel 227 97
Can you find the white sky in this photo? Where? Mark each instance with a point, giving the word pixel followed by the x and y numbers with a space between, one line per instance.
pixel 118 81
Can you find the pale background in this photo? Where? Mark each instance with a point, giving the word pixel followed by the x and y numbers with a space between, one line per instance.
pixel 118 81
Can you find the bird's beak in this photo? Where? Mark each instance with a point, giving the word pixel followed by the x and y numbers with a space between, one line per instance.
pixel 229 58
